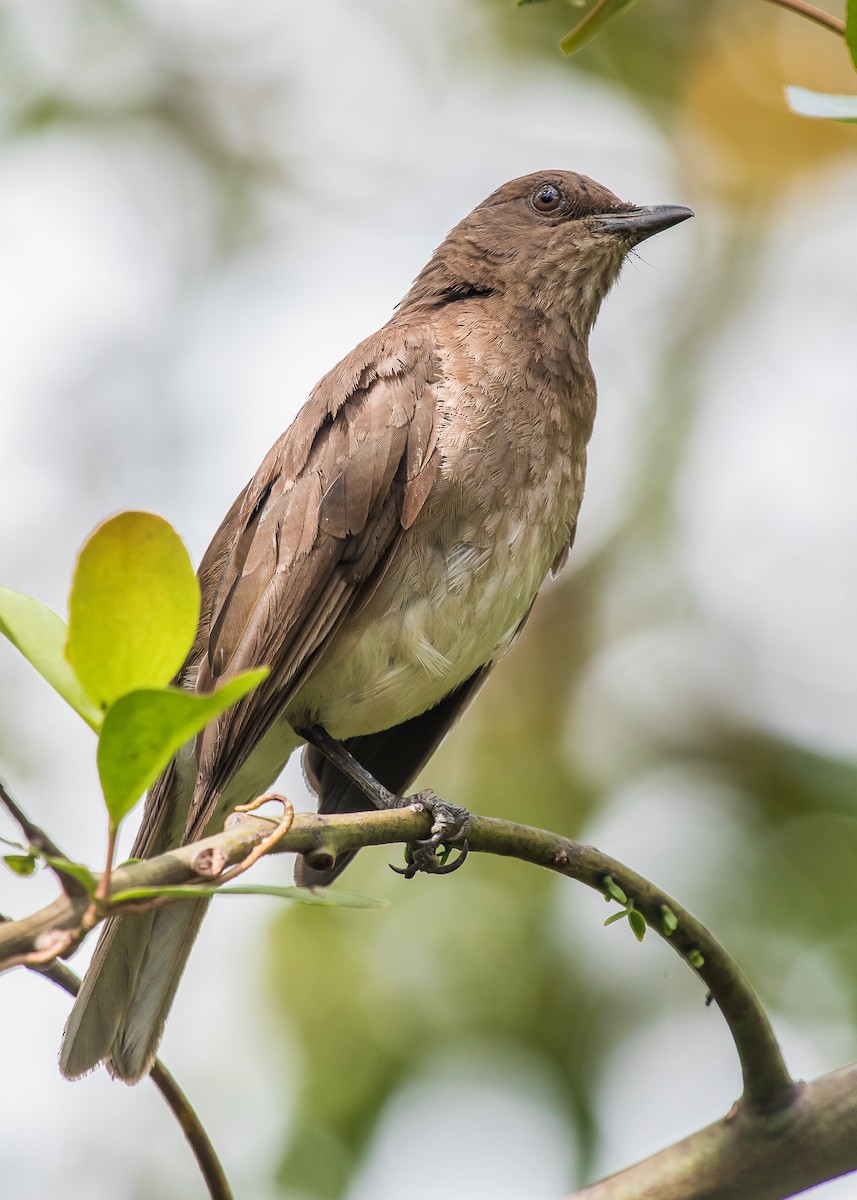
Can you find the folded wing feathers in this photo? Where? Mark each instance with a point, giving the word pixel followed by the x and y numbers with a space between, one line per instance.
pixel 309 537
pixel 311 544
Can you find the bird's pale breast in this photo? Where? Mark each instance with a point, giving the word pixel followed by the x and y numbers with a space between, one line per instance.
pixel 465 574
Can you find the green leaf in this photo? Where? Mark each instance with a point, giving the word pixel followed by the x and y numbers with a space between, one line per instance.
pixel 20 864
pixel 78 871
pixel 143 730
pixel 613 891
pixel 851 29
pixel 619 916
pixel 40 635
pixel 194 891
pixel 326 899
pixel 669 920
pixel 822 105
pixel 592 24
pixel 521 3
pixel 638 923
pixel 696 959
pixel 133 608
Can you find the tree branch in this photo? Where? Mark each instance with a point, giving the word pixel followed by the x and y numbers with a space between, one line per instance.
pixel 755 1145
pixel 768 1086
pixel 177 1102
pixel 748 1156
pixel 39 840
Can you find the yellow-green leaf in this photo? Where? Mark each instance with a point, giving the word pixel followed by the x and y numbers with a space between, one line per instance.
pixel 143 730
pixel 40 635
pixel 638 924
pixel 612 889
pixel 20 864
pixel 133 608
pixel 75 870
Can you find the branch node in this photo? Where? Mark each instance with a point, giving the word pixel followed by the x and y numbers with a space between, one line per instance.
pixel 321 858
pixel 209 863
pixel 266 843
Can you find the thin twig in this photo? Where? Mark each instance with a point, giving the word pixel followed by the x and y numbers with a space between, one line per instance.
pixel 200 862
pixel 768 1086
pixel 192 1128
pixel 210 863
pixel 40 841
pixel 266 843
pixel 818 15
pixel 49 947
pixel 177 1102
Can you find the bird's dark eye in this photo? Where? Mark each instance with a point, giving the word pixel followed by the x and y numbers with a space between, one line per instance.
pixel 547 198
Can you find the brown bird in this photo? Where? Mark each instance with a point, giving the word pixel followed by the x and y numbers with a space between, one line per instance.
pixel 386 553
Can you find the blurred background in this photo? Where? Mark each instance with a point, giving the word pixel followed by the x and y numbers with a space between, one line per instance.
pixel 203 205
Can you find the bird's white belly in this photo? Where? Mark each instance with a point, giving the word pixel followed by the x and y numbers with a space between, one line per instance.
pixel 424 634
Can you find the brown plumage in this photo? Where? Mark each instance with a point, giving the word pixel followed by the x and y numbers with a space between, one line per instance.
pixel 386 553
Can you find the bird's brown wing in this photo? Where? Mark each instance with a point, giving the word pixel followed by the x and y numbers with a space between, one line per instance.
pixel 311 535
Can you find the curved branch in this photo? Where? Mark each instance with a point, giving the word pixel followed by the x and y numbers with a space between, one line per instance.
pixel 768 1086
pixel 194 1131
pixel 39 840
pixel 756 1146
pixel 177 1102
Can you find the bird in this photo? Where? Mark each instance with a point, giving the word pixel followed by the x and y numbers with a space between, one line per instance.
pixel 384 556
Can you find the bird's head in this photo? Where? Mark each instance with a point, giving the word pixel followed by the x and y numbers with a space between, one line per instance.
pixel 553 240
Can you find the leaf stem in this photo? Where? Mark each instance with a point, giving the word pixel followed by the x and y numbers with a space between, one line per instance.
pixel 811 13
pixel 103 889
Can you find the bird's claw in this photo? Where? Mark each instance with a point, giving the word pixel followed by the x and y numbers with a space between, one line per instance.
pixel 447 830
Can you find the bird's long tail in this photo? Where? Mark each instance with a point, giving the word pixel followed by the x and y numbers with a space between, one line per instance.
pixel 119 1014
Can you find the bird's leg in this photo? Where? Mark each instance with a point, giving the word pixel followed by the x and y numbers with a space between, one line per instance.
pixel 448 820
pixel 347 764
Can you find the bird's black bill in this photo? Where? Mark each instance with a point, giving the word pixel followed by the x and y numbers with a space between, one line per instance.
pixel 637 224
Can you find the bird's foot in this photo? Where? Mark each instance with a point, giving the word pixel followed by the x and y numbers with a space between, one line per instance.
pixel 433 854
pixel 448 820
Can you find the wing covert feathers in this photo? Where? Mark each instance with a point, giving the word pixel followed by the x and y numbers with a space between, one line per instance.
pixel 314 529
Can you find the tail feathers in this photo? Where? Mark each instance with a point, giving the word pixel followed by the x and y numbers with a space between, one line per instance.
pixel 121 1009
pixel 94 1020
pixel 135 1044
